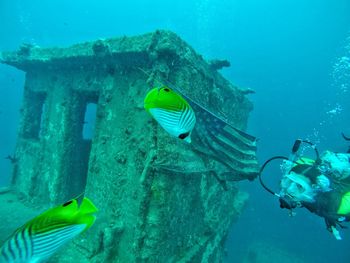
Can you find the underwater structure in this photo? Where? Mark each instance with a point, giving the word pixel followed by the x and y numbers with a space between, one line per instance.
pixel 160 199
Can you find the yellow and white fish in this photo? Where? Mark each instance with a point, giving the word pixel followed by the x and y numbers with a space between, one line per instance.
pixel 42 236
pixel 171 111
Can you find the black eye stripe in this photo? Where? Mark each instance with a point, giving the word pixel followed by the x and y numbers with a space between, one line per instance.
pixel 184 135
pixel 68 203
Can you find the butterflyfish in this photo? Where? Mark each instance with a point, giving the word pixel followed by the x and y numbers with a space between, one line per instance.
pixel 42 236
pixel 171 111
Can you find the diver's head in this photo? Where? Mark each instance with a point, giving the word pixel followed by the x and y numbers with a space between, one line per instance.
pixel 298 187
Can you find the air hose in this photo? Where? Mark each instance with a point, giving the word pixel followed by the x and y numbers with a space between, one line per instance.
pixel 346 138
pixel 292 158
pixel 262 169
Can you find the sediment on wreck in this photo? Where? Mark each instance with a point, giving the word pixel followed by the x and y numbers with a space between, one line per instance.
pixel 160 199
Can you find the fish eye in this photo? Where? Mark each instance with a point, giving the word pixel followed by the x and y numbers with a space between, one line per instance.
pixel 184 135
pixel 166 89
pixel 67 203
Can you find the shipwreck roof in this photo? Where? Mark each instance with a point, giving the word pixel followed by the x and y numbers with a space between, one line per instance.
pixel 125 50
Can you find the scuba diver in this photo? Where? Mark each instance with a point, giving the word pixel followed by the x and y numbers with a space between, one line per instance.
pixel 321 185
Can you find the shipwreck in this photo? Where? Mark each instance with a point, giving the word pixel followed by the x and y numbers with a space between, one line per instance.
pixel 159 198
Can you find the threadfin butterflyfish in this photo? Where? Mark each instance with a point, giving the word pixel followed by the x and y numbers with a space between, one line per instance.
pixel 42 236
pixel 171 111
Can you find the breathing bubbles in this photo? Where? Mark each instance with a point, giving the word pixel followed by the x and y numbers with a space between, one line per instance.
pixel 336 106
pixel 341 72
pixel 315 137
pixel 336 109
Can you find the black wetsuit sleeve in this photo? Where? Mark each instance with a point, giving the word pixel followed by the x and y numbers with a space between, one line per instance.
pixel 326 205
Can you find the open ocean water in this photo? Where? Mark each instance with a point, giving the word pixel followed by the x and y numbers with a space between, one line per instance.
pixel 294 53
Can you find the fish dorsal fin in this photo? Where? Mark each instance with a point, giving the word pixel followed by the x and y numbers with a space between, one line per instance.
pixel 87 207
pixel 86 213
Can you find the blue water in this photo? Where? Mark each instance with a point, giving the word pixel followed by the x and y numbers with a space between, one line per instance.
pixel 284 50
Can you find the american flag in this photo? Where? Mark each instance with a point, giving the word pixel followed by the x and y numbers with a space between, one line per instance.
pixel 214 138
pixel 234 149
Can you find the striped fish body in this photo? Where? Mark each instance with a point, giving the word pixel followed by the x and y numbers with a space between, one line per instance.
pixel 41 237
pixel 172 112
pixel 25 246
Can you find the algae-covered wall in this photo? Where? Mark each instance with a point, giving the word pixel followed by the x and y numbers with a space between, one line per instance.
pixel 159 198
